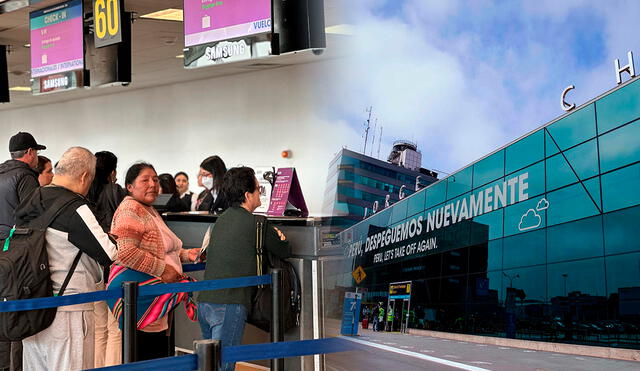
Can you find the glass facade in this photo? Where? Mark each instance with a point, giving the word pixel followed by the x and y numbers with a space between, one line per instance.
pixel 535 241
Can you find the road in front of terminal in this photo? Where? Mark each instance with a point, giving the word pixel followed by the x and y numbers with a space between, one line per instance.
pixel 395 351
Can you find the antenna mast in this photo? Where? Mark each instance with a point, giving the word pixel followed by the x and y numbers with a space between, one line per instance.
pixel 366 130
pixel 379 141
pixel 373 140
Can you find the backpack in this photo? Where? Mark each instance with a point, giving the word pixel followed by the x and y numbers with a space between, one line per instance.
pixel 24 274
pixel 260 314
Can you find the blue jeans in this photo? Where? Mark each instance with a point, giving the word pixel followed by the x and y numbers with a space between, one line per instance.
pixel 224 322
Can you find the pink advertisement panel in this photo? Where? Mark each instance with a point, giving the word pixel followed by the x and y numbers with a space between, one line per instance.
pixel 207 21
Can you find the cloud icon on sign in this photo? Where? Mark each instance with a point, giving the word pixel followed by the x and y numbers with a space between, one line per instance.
pixel 530 220
pixel 543 204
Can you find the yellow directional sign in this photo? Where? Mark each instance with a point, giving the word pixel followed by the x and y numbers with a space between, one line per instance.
pixel 359 275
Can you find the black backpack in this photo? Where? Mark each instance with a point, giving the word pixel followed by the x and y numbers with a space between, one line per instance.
pixel 24 274
pixel 260 315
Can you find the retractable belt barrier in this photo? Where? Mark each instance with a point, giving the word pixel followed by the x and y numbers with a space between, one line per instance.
pixel 209 353
pixel 203 361
pixel 115 293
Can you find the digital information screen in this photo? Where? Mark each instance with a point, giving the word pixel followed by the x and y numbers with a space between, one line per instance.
pixel 56 39
pixel 207 21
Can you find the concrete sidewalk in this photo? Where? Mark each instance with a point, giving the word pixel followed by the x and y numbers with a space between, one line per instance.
pixel 395 351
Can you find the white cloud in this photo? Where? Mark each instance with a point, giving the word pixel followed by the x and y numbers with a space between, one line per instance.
pixel 418 92
pixel 464 78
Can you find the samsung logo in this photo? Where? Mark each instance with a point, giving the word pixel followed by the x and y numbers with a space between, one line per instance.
pixel 226 50
pixel 57 82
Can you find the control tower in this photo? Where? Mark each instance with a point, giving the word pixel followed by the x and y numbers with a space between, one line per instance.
pixel 406 155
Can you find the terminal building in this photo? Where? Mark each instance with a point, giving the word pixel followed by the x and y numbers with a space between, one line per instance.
pixel 536 240
pixel 358 184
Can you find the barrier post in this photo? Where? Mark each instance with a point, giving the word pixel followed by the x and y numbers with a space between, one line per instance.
pixel 209 354
pixel 129 337
pixel 277 364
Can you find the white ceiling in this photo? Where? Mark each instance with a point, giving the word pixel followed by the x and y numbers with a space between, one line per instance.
pixel 155 45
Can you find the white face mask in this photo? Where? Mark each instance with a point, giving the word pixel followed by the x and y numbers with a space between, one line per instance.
pixel 207 182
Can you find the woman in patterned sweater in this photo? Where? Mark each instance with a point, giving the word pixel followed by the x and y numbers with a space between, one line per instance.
pixel 147 245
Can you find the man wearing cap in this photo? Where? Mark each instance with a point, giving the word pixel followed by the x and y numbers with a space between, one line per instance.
pixel 18 180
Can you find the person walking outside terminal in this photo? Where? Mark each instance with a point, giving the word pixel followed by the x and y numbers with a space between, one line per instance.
pixel 74 237
pixel 379 318
pixel 232 253
pixel 210 176
pixel 18 180
pixel 147 250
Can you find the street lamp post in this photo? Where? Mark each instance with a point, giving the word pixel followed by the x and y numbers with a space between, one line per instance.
pixel 511 278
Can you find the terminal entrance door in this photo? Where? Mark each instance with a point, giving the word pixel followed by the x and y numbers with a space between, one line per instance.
pixel 399 306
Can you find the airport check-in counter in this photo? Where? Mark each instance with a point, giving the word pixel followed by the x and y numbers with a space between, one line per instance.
pixel 310 242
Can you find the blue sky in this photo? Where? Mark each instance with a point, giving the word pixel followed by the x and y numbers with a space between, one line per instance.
pixel 462 78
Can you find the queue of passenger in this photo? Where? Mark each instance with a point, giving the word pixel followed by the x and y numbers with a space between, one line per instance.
pixel 110 232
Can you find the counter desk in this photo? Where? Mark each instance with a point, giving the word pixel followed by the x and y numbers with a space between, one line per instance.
pixel 312 240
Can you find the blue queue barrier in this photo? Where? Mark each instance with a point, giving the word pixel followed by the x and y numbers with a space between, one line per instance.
pixel 130 292
pixel 212 360
pixel 209 355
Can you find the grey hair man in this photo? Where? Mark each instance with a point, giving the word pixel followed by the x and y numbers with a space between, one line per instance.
pixel 18 180
pixel 68 344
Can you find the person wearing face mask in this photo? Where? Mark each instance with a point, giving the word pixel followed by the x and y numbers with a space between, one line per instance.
pixel 212 170
pixel 147 250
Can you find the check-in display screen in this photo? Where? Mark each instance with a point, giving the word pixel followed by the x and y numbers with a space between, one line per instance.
pixel 207 21
pixel 56 39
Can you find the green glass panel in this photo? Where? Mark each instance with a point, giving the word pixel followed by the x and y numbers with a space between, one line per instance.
pixel 531 280
pixel 416 203
pixel 621 230
pixel 459 182
pixel 399 211
pixel 583 276
pixel 576 128
pixel 488 169
pixel 575 240
pixel 436 194
pixel 550 147
pixel 525 152
pixel 524 249
pixel 619 107
pixel 559 173
pixel 620 147
pixel 620 188
pixel 593 187
pixel 623 271
pixel 493 221
pixel 584 159
pixel 494 258
pixel 569 204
